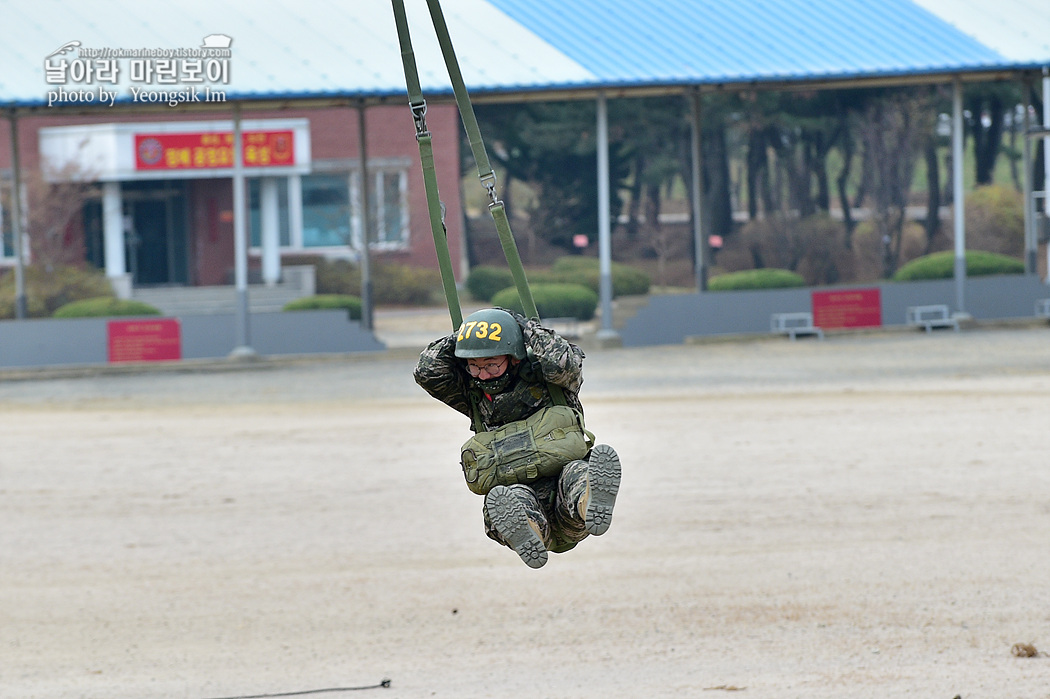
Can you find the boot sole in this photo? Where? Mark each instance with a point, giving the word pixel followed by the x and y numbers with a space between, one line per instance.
pixel 603 481
pixel 509 518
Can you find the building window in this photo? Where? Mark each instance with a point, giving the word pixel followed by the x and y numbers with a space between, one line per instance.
pixel 7 240
pixel 326 211
pixel 255 212
pixel 331 211
pixel 390 207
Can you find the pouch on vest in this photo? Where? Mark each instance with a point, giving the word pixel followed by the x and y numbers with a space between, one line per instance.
pixel 525 450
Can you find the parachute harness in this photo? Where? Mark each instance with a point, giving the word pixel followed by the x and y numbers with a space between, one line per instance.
pixel 486 174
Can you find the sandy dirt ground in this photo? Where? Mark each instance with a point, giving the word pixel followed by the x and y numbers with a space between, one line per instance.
pixel 867 516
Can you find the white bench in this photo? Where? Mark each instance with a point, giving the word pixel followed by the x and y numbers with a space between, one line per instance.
pixel 930 317
pixel 1042 308
pixel 794 324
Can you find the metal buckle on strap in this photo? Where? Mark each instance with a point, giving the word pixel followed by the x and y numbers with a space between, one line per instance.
pixel 488 181
pixel 419 117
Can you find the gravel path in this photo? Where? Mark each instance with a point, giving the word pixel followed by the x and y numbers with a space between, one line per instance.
pixel 865 516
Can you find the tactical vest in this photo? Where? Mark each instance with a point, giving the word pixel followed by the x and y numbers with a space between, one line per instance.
pixel 527 394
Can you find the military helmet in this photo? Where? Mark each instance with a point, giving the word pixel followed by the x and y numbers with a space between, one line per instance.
pixel 490 332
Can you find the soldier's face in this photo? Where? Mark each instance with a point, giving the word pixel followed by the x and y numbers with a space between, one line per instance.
pixel 486 368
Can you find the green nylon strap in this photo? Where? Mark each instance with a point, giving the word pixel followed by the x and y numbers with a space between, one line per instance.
pixel 466 111
pixel 485 174
pixel 426 157
pixel 408 57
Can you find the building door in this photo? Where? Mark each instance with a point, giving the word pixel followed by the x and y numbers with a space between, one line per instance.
pixel 155 232
pixel 94 237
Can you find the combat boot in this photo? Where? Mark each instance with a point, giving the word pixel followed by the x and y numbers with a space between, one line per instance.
pixel 603 482
pixel 517 530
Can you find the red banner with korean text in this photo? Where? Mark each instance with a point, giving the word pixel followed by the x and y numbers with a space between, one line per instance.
pixel 847 308
pixel 212 150
pixel 154 340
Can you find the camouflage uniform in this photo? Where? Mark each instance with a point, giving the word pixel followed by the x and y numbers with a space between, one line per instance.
pixel 552 503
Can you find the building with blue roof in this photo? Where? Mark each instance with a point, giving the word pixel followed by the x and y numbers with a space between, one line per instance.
pixel 130 95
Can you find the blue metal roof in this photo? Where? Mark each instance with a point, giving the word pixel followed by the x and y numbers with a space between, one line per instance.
pixel 688 41
pixel 318 48
pixel 334 48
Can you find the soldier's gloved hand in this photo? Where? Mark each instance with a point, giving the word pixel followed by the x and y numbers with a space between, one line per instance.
pixel 530 369
pixel 529 328
pixel 519 318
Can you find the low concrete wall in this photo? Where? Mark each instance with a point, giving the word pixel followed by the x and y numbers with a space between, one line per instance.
pixel 84 341
pixel 673 318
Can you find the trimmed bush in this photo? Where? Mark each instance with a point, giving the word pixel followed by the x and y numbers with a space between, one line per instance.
pixel 756 279
pixel 321 302
pixel 941 265
pixel 553 300
pixel 401 285
pixel 392 284
pixel 337 277
pixel 546 276
pixel 485 280
pixel 995 220
pixel 105 306
pixel 814 247
pixel 577 269
pixel 47 290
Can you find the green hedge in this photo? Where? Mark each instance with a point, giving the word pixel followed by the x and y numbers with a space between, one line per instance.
pixel 553 300
pixel 104 306
pixel 393 284
pixel 321 302
pixel 49 288
pixel 402 285
pixel 576 269
pixel 756 279
pixel 485 280
pixel 941 265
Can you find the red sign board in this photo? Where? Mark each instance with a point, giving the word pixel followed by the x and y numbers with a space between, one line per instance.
pixel 847 308
pixel 144 340
pixel 214 149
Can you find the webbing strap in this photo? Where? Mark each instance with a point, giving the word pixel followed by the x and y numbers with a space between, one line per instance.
pixel 434 206
pixel 485 174
pixel 481 158
pixel 426 157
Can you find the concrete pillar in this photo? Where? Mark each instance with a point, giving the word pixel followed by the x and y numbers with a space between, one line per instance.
pixel 958 197
pixel 1046 160
pixel 697 194
pixel 606 334
pixel 1030 242
pixel 295 210
pixel 113 230
pixel 269 216
pixel 366 224
pixel 21 301
pixel 243 348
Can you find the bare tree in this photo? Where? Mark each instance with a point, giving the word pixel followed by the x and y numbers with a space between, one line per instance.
pixel 53 216
pixel 55 205
pixel 987 107
pixel 932 224
pixel 893 130
pixel 842 181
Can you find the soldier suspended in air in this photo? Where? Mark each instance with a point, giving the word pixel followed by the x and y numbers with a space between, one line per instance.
pixel 547 486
